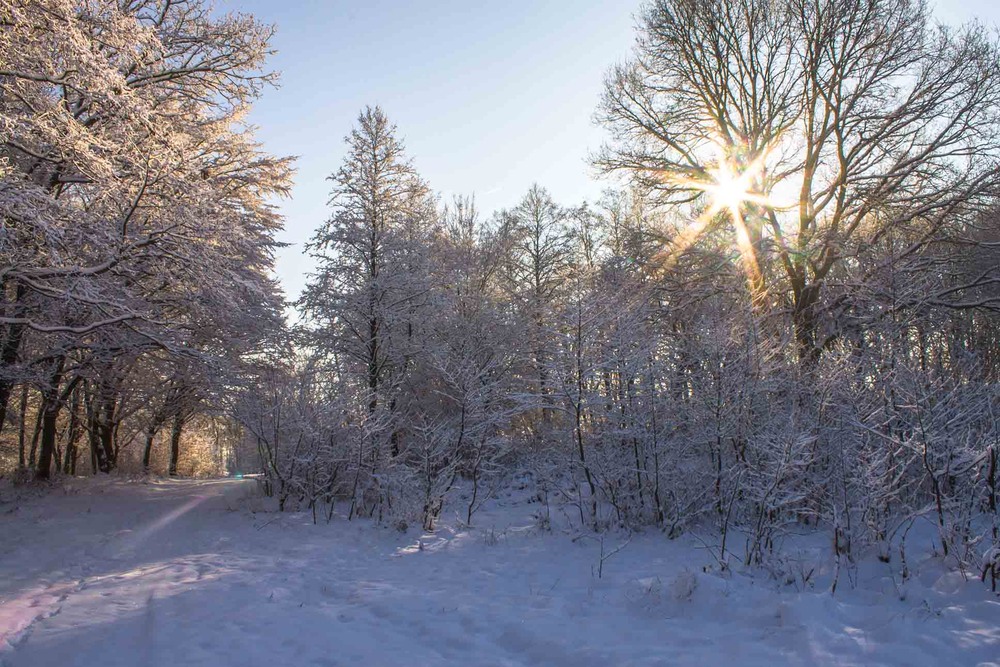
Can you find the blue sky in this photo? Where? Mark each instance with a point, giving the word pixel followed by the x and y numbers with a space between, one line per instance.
pixel 489 97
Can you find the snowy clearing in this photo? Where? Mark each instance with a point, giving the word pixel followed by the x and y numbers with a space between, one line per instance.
pixel 185 573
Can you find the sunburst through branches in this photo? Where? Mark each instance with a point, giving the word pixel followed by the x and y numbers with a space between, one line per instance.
pixel 734 186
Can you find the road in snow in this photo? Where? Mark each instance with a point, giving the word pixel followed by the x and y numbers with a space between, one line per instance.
pixel 183 573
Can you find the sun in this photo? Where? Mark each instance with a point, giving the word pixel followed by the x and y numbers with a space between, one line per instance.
pixel 733 185
pixel 728 188
pixel 730 178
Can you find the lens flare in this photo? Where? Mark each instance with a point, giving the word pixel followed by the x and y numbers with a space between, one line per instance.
pixel 729 189
pixel 733 186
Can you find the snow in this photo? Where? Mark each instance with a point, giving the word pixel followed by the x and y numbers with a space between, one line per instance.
pixel 193 573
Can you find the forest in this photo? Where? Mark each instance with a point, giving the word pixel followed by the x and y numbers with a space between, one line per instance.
pixel 782 315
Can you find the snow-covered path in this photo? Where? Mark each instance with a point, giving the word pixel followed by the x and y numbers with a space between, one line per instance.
pixel 182 573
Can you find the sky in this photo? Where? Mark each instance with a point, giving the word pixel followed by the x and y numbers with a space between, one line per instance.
pixel 489 97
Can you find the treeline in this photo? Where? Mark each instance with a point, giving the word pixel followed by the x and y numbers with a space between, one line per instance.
pixel 786 315
pixel 137 235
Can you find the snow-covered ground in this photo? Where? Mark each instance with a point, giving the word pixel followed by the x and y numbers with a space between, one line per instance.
pixel 183 573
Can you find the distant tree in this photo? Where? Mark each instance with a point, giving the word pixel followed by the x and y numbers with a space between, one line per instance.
pixel 536 233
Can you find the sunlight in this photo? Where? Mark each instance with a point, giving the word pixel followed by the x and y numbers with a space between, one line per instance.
pixel 732 186
pixel 133 541
pixel 732 183
pixel 730 189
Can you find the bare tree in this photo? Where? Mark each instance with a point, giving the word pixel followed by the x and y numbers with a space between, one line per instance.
pixel 816 127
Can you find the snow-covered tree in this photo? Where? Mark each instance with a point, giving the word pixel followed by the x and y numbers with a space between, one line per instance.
pixel 135 202
pixel 362 304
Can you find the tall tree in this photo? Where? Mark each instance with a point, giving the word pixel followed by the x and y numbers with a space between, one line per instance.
pixel 359 306
pixel 815 127
pixel 538 238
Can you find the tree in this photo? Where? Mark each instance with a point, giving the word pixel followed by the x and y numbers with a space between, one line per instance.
pixel 134 200
pixel 360 305
pixel 536 234
pixel 816 127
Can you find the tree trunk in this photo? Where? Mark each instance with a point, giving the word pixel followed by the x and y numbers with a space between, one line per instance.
pixel 72 433
pixel 175 444
pixel 22 428
pixel 57 454
pixel 33 455
pixel 8 354
pixel 578 418
pixel 148 449
pixel 106 454
pixel 804 323
pixel 94 440
pixel 50 415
